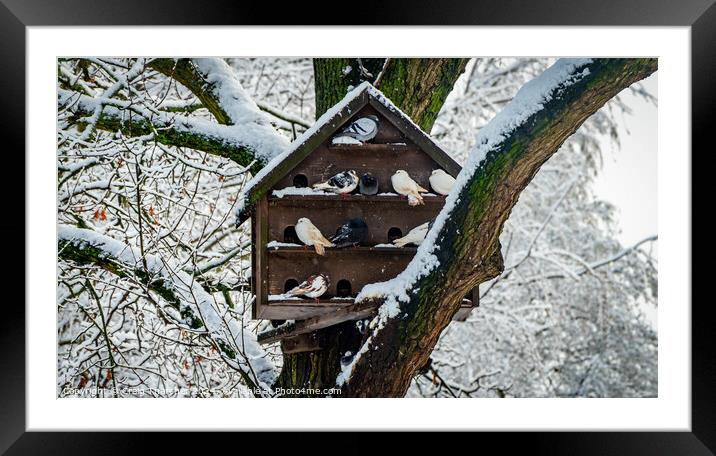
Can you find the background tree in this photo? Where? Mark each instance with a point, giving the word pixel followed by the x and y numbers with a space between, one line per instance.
pixel 153 282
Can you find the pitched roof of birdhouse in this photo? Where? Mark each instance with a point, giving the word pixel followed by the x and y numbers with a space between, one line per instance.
pixel 330 122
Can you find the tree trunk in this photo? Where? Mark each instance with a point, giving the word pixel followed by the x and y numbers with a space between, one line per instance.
pixel 410 88
pixel 419 87
pixel 318 369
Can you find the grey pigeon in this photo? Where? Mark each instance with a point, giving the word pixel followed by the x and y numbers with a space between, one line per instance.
pixel 368 184
pixel 351 233
pixel 363 129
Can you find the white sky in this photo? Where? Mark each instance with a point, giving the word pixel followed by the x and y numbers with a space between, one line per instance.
pixel 628 178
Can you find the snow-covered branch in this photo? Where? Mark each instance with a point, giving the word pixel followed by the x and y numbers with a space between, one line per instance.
pixel 462 248
pixel 287 117
pixel 193 306
pixel 244 133
pixel 216 85
pixel 242 144
pixel 590 267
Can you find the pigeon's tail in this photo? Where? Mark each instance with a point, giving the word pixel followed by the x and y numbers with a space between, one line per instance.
pixel 322 240
pixel 421 189
pixel 321 244
pixel 341 240
pixel 297 291
pixel 415 199
pixel 324 186
pixel 401 242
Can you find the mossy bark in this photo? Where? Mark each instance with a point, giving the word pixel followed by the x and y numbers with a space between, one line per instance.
pixel 139 126
pixel 332 82
pixel 419 87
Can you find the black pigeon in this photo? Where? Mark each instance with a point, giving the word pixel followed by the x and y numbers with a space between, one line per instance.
pixel 368 184
pixel 351 233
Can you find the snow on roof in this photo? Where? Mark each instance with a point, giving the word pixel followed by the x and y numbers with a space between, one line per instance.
pixel 338 109
pixel 529 100
pixel 322 121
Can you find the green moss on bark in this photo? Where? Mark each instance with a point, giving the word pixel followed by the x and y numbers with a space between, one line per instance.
pixel 331 84
pixel 419 87
pixel 88 254
pixel 139 126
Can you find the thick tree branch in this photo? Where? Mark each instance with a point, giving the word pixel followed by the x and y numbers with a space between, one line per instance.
pixel 214 83
pixel 187 74
pixel 246 145
pixel 460 250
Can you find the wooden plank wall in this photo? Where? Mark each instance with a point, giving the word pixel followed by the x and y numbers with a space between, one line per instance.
pixel 390 151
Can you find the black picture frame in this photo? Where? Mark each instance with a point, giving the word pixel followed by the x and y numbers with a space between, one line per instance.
pixel 16 15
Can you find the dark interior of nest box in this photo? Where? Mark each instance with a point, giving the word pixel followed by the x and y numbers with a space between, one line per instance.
pixel 389 151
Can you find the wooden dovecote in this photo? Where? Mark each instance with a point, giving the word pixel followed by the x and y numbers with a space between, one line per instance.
pixel 281 194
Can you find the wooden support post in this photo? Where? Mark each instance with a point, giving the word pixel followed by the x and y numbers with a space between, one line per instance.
pixel 301 343
pixel 352 312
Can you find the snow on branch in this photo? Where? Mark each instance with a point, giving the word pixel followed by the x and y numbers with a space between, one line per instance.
pixel 225 87
pixel 282 115
pixel 528 101
pixel 216 85
pixel 590 267
pixel 238 347
pixel 242 143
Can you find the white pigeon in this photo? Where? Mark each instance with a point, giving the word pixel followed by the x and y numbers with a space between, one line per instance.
pixel 313 287
pixel 310 235
pixel 341 183
pixel 441 182
pixel 405 185
pixel 415 236
pixel 363 129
